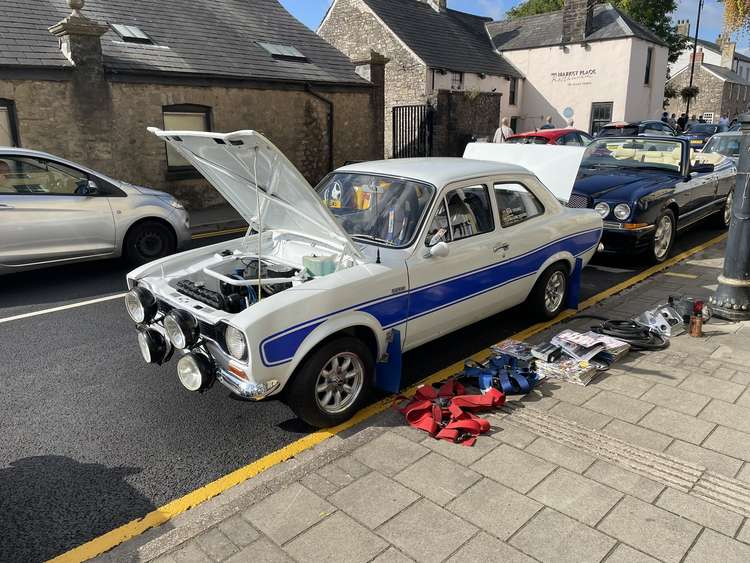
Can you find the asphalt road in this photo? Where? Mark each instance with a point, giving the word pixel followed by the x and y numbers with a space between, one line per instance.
pixel 91 437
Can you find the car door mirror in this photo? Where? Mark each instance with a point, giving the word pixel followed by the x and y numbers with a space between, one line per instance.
pixel 440 250
pixel 702 168
pixel 86 187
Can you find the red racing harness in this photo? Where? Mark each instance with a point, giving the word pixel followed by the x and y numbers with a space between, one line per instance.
pixel 445 414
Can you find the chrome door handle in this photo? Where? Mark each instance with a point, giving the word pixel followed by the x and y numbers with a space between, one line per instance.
pixel 5 206
pixel 501 246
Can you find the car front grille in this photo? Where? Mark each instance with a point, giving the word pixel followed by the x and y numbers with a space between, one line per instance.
pixel 579 201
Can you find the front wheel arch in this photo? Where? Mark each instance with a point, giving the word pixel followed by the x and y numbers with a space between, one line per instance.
pixel 159 221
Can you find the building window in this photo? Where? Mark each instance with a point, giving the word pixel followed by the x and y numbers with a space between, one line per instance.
pixel 601 114
pixel 457 80
pixel 708 116
pixel 512 92
pixel 131 34
pixel 649 57
pixel 184 117
pixel 8 125
pixel 434 72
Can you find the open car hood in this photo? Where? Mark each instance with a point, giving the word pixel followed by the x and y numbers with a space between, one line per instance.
pixel 247 169
pixel 555 166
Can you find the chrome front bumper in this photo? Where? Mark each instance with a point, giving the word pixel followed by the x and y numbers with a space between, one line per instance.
pixel 246 389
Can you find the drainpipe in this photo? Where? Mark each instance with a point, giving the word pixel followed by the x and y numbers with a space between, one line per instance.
pixel 329 103
pixel 731 300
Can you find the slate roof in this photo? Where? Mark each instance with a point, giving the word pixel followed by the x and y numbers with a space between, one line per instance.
pixel 717 48
pixel 203 38
pixel 726 74
pixel 450 40
pixel 545 30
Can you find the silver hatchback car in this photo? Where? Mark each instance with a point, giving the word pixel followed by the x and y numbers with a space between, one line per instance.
pixel 53 211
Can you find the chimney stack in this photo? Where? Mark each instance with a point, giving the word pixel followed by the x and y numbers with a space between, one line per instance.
pixel 698 57
pixel 728 48
pixel 683 27
pixel 578 17
pixel 437 5
pixel 80 38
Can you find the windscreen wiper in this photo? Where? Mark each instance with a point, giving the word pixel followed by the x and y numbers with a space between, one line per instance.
pixel 372 238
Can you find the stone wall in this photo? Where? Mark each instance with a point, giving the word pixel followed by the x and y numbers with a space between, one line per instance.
pixel 353 29
pixel 104 127
pixel 461 116
pixel 714 95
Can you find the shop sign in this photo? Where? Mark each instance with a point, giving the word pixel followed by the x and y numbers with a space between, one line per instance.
pixel 580 77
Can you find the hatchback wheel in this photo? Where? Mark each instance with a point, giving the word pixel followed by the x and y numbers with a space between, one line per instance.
pixel 148 241
pixel 663 237
pixel 332 383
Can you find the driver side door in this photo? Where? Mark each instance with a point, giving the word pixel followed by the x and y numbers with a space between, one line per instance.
pixel 47 214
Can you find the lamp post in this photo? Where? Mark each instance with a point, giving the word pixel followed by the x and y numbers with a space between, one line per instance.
pixel 692 62
pixel 731 300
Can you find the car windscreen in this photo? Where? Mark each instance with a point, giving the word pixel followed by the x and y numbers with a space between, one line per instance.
pixel 627 131
pixel 376 208
pixel 728 145
pixel 703 128
pixel 528 140
pixel 633 153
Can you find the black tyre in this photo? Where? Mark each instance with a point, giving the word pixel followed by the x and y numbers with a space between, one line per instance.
pixel 147 241
pixel 548 297
pixel 666 231
pixel 724 217
pixel 332 383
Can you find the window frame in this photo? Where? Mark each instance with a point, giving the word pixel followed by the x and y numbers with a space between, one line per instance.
pixel 513 91
pixel 10 107
pixel 442 199
pixel 182 172
pixel 649 64
pixel 529 190
pixel 460 76
pixel 593 121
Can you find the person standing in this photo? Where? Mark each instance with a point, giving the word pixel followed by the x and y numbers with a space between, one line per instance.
pixel 665 118
pixel 547 123
pixel 503 132
pixel 724 123
pixel 682 121
pixel 673 121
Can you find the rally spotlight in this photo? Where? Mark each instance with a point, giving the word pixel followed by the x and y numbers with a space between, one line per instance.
pixel 154 347
pixel 182 329
pixel 141 305
pixel 195 372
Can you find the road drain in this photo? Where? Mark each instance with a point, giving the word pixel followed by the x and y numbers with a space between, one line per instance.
pixel 673 472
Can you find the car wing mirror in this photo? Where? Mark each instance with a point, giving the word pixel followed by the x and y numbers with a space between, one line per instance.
pixel 702 168
pixel 440 250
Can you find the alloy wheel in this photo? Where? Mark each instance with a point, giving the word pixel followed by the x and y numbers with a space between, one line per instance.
pixel 554 291
pixel 339 382
pixel 728 208
pixel 663 237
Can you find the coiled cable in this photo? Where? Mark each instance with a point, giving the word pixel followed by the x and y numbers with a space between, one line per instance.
pixel 639 337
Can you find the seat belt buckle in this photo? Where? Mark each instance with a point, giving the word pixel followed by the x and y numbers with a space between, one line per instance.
pixel 443 402
pixel 462 437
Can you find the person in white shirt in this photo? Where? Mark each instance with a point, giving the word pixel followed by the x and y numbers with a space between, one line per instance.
pixel 503 132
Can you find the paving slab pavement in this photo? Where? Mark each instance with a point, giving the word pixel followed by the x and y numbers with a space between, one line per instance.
pixel 649 462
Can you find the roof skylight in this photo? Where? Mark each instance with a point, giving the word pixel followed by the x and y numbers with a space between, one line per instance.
pixel 131 33
pixel 283 52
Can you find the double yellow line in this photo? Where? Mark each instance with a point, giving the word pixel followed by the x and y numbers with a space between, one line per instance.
pixel 234 231
pixel 111 539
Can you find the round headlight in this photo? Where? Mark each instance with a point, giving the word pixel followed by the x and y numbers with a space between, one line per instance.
pixel 622 211
pixel 602 208
pixel 153 345
pixel 195 372
pixel 141 305
pixel 181 328
pixel 236 344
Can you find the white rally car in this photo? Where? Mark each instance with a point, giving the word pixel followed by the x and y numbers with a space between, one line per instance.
pixel 379 258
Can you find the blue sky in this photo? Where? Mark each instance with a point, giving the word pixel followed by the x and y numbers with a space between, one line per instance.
pixel 310 12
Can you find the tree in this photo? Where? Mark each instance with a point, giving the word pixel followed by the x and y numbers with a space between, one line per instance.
pixel 736 15
pixel 653 14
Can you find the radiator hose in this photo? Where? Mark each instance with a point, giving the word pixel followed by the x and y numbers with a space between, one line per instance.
pixel 638 336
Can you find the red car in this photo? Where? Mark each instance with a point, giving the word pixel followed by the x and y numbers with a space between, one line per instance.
pixel 570 137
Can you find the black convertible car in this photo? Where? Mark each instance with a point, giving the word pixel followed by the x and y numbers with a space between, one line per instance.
pixel 648 188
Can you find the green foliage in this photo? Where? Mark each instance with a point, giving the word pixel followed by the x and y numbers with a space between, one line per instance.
pixel 653 14
pixel 688 93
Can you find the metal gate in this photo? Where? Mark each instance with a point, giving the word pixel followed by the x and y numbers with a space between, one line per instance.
pixel 412 131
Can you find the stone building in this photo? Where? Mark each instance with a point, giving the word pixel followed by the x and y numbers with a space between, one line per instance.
pixel 722 53
pixel 86 86
pixel 441 67
pixel 588 63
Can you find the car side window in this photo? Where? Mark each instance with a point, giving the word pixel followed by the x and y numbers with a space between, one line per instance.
pixel 464 212
pixel 516 204
pixel 571 139
pixel 32 176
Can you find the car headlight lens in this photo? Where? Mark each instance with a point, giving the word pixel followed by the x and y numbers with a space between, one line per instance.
pixel 622 211
pixel 176 204
pixel 181 328
pixel 195 372
pixel 141 305
pixel 236 344
pixel 153 345
pixel 602 208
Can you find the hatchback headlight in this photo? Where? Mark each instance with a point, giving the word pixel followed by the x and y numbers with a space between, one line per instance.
pixel 602 208
pixel 176 204
pixel 181 328
pixel 236 343
pixel 141 305
pixel 622 211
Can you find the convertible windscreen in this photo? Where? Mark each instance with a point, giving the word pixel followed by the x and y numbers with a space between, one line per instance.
pixel 728 146
pixel 376 208
pixel 633 153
